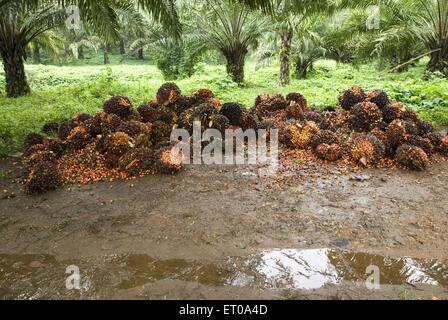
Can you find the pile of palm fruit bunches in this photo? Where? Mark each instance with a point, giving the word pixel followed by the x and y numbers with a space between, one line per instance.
pixel 122 142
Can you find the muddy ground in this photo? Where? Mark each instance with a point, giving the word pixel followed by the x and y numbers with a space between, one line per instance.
pixel 202 234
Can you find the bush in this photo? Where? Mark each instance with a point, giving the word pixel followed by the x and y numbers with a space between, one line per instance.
pixel 176 63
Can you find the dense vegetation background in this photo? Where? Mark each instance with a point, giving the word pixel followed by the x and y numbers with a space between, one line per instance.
pixel 129 48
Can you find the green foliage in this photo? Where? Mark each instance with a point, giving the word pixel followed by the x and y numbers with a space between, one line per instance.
pixel 176 61
pixel 406 294
pixel 59 92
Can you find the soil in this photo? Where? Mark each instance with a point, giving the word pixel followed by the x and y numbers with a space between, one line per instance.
pixel 194 234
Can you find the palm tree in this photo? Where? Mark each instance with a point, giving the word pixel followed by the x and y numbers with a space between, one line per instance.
pixel 419 25
pixel 231 29
pixel 134 24
pixel 49 42
pixel 287 17
pixel 21 21
pixel 309 49
pixel 77 40
pixel 409 30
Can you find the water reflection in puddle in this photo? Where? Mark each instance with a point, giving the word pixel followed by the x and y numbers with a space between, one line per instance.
pixel 314 268
pixel 43 276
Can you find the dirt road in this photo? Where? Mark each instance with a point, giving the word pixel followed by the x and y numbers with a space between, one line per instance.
pixel 223 232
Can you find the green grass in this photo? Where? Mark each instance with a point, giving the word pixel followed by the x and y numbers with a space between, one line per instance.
pixel 406 294
pixel 58 92
pixel 60 225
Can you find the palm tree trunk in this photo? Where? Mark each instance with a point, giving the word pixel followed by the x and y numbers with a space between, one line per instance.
pixel 81 52
pixel 439 61
pixel 16 83
pixel 106 54
pixel 235 65
pixel 122 47
pixel 36 54
pixel 301 70
pixel 285 51
pixel 140 54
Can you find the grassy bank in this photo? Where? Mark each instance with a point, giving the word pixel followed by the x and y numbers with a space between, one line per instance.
pixel 58 92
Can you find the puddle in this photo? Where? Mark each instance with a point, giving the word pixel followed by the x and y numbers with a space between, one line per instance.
pixel 314 268
pixel 43 276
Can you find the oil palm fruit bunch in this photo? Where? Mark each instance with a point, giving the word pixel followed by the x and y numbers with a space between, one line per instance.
pixel 65 128
pixel 324 137
pixel 380 134
pixel 184 103
pixel 306 135
pixel 295 110
pixel 378 97
pixel 78 138
pixel 261 98
pixel 328 152
pixel 109 122
pixel 266 125
pixel 116 145
pixel 134 115
pixel 33 139
pixel 202 95
pixel 411 128
pixel 215 101
pixel 248 121
pixel 161 131
pixel 410 115
pixel 118 105
pixel 43 176
pixel 220 122
pixel 166 115
pixel 232 111
pixel 147 112
pixel 396 134
pixel 275 102
pixel 204 113
pixel 185 120
pixel 443 147
pixel 436 139
pixel 168 94
pixel 133 128
pixel 412 157
pixel 38 156
pixel 288 132
pixel 424 127
pixel 169 159
pixel 54 145
pixel 265 105
pixel 313 115
pixel 143 139
pixel 297 98
pixel 423 143
pixel 80 117
pixel 365 116
pixel 366 150
pixel 334 120
pixel 50 128
pixel 34 148
pixel 93 125
pixel 136 160
pixel 350 97
pixel 258 107
pixel 392 111
pixel 101 143
pixel 119 143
